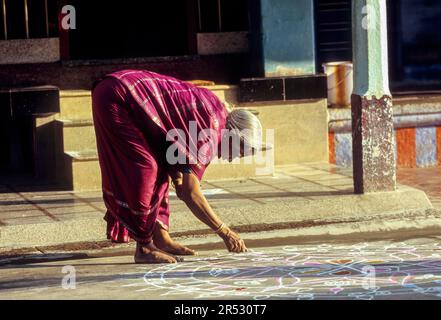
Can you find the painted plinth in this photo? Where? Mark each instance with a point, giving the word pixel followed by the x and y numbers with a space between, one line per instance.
pixel 373 147
pixel 372 117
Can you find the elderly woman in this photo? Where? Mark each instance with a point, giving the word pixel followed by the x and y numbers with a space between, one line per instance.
pixel 136 113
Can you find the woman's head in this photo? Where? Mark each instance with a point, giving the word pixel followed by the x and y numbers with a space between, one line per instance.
pixel 246 128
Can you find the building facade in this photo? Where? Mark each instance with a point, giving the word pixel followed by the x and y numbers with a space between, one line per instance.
pixel 274 49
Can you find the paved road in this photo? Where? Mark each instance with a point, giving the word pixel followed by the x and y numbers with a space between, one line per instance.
pixel 332 270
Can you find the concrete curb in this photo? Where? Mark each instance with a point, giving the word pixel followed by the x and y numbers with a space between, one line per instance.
pixel 321 210
pixel 390 230
pixel 404 209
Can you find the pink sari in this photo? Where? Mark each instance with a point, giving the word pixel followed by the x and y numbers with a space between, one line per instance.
pixel 133 112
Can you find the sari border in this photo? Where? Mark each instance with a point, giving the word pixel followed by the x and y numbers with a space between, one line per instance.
pixel 131 233
pixel 125 204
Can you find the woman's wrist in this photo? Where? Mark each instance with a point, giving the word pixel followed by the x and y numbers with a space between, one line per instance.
pixel 221 230
pixel 176 181
pixel 176 177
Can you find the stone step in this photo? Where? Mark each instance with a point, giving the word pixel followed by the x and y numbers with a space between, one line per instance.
pixel 300 127
pixel 77 104
pixel 75 118
pixel 78 134
pixel 83 172
pixel 228 93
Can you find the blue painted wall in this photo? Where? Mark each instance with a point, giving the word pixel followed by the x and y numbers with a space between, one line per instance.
pixel 287 37
pixel 426 155
pixel 426 146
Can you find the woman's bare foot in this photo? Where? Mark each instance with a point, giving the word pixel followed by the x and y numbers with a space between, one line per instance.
pixel 149 253
pixel 164 242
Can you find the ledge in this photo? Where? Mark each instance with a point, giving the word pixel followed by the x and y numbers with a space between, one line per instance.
pixel 20 51
pixel 75 93
pixel 409 112
pixel 313 86
pixel 72 123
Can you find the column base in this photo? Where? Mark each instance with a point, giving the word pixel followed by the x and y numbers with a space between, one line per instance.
pixel 373 144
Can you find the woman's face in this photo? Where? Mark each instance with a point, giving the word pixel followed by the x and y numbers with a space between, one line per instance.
pixel 238 150
pixel 232 148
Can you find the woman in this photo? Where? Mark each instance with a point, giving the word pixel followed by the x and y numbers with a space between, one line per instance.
pixel 135 113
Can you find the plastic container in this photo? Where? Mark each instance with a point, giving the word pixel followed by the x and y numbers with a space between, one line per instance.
pixel 340 82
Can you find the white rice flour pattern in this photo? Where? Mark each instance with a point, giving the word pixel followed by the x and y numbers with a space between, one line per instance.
pixel 361 271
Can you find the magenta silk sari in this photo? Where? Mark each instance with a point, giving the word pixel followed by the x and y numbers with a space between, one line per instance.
pixel 133 111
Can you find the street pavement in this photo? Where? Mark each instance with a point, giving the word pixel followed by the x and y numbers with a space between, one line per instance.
pixel 277 267
pixel 310 196
pixel 282 264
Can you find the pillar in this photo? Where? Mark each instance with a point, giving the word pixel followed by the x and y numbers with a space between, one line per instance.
pixel 372 117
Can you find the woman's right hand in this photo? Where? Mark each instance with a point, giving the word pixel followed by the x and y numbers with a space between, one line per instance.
pixel 232 240
pixel 198 204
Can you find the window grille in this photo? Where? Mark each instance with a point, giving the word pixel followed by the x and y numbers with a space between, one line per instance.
pixel 27 19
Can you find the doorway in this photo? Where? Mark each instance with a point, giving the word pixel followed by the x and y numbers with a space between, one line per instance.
pixel 129 29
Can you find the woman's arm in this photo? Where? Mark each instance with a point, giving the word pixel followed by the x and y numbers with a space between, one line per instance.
pixel 176 178
pixel 188 190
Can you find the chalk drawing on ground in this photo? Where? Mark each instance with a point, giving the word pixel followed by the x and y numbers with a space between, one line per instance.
pixel 360 271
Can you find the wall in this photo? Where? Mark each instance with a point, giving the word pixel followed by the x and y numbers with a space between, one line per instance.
pixel 287 36
pixel 300 127
pixel 417 123
pixel 20 51
pixel 300 130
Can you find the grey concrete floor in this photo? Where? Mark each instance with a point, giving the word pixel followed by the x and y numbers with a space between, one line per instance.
pixel 297 196
pixel 278 267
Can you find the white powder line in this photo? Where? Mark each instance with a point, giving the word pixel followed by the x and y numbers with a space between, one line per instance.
pixel 207 192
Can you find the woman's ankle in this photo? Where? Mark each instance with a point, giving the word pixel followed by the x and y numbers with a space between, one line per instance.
pixel 141 247
pixel 161 236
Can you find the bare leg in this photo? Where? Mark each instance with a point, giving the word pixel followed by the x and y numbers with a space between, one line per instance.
pixel 149 253
pixel 164 242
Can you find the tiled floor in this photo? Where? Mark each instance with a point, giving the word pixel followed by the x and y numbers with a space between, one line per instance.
pixel 303 181
pixel 38 207
pixel 428 179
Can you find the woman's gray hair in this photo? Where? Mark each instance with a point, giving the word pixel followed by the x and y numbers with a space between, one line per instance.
pixel 246 125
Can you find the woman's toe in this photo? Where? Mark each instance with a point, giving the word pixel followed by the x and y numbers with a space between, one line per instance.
pixel 155 257
pixel 189 252
pixel 165 258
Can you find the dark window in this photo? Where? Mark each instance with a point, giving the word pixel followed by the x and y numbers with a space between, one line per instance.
pixel 209 16
pixel 223 15
pixel 2 23
pixel 414 40
pixel 108 30
pixel 417 40
pixel 234 15
pixel 15 19
pixel 24 19
pixel 333 31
